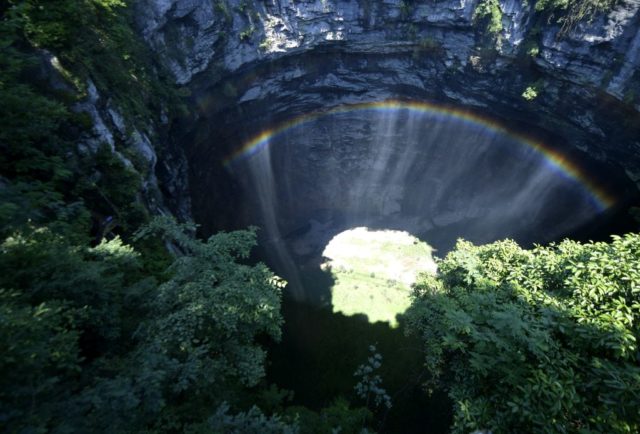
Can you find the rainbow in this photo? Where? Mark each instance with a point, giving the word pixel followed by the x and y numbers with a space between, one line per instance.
pixel 556 160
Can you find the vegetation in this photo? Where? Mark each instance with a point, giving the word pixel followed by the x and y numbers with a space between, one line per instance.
pixel 535 341
pixel 489 12
pixel 534 90
pixel 369 388
pixel 532 49
pixel 221 7
pixel 46 176
pixel 103 330
pixel 91 342
pixel 109 335
pixel 319 358
pixel 570 12
pixel 247 33
pixel 530 93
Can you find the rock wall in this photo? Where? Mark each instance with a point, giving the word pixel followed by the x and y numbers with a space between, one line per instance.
pixel 196 35
pixel 164 188
pixel 249 64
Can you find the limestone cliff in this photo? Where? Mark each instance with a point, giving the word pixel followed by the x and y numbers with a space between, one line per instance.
pixel 261 62
pixel 449 53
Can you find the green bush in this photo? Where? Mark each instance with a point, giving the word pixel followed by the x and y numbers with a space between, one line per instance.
pixel 247 33
pixel 45 178
pixel 339 416
pixel 544 340
pixel 570 12
pixel 92 343
pixel 530 93
pixel 489 12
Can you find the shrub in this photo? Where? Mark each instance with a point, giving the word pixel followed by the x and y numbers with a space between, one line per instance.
pixel 535 341
pixel 247 33
pixel 571 12
pixel 91 342
pixel 530 93
pixel 489 11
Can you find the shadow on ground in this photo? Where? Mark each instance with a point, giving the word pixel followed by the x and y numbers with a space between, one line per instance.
pixel 321 350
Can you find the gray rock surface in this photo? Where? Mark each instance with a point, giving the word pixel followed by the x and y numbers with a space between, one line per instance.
pixel 194 35
pixel 251 64
pixel 110 128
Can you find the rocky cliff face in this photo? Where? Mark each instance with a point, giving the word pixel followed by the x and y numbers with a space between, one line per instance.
pixel 195 35
pixel 250 64
pixel 164 188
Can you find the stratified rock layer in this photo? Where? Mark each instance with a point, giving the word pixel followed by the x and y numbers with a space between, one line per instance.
pixel 250 65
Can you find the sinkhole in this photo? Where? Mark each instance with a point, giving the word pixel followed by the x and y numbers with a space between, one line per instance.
pixel 435 172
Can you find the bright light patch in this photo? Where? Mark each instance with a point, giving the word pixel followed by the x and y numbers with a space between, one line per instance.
pixel 374 270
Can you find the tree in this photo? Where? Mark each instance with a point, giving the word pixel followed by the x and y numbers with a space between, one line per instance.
pixel 96 345
pixel 544 340
pixel 65 309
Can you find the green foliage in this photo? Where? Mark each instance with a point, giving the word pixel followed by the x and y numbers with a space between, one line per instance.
pixel 535 341
pixel 369 387
pixel 243 6
pixel 55 24
pixel 570 12
pixel 94 39
pixel 215 306
pixel 40 349
pixel 338 417
pixel 489 13
pixel 247 33
pixel 117 185
pixel 265 44
pixel 530 93
pixel 250 422
pixel 63 306
pixel 222 8
pixel 317 363
pixel 43 177
pixel 91 341
pixel 92 344
pixel 32 137
pixel 532 49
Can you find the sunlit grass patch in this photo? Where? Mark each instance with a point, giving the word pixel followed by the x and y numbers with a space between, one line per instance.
pixel 374 271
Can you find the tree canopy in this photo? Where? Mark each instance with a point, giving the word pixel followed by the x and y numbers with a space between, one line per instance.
pixel 542 340
pixel 91 343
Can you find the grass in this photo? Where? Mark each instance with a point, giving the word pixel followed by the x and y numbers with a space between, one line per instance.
pixel 374 270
